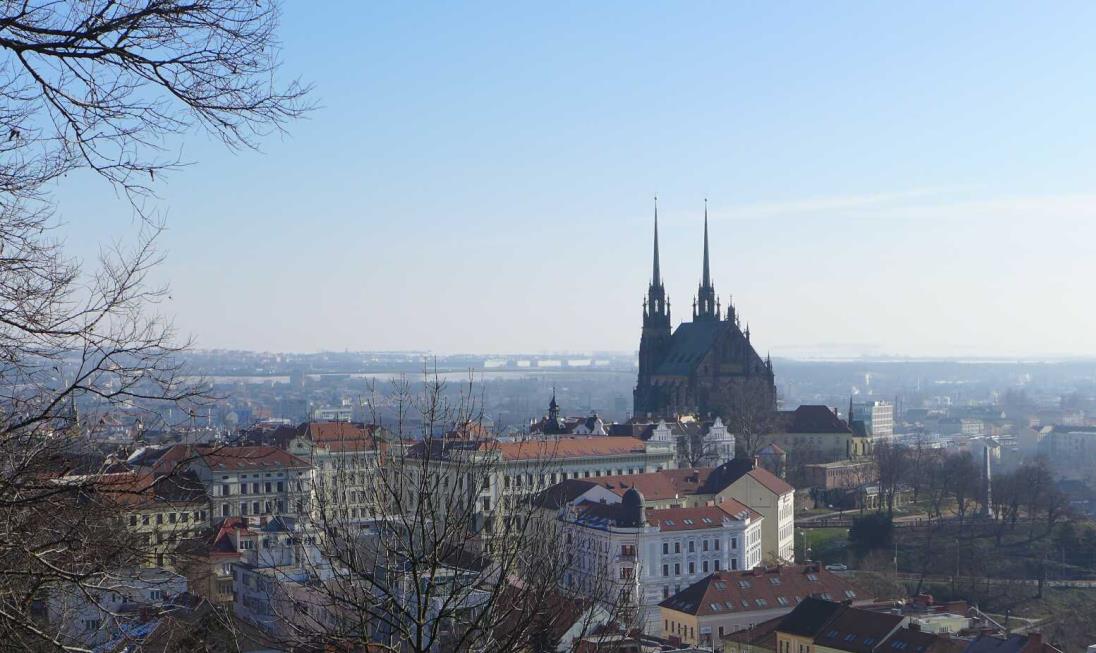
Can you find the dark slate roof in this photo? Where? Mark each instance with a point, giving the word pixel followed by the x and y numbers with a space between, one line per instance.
pixel 688 345
pixel 762 635
pixel 809 617
pixel 563 493
pixel 813 419
pixel 905 640
pixel 990 644
pixel 857 631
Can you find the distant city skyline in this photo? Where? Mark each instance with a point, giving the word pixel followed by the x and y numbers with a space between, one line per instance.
pixel 882 180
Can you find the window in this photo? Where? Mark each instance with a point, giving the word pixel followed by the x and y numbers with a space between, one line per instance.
pixel 281 486
pixel 243 508
pixel 144 520
pixel 734 564
pixel 716 565
pixel 677 569
pixel 224 510
pixel 734 542
pixel 243 488
pixel 159 518
pixel 704 566
pixel 665 548
pixel 692 546
pixel 692 567
pixel 705 545
pixel 268 486
pixel 717 545
pixel 171 518
pixel 774 580
pixel 133 520
pixel 665 570
pixel 677 547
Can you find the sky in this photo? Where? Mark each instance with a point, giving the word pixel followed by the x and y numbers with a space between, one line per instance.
pixel 908 179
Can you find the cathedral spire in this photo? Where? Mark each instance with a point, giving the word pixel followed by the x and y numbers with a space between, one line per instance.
pixel 707 279
pixel 656 274
pixel 656 306
pixel 706 303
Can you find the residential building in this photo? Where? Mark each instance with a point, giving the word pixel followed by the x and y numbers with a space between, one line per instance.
pixel 280 582
pixel 821 626
pixel 208 565
pixel 519 469
pixel 163 511
pixel 737 480
pixel 107 608
pixel 815 434
pixel 1070 451
pixel 796 631
pixel 345 462
pixel 728 601
pixel 841 475
pixel 248 481
pixel 877 418
pixel 759 639
pixel 620 551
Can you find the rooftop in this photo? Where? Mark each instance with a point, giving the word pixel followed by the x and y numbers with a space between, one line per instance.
pixel 727 592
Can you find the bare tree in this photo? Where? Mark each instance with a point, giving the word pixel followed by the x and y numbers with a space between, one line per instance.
pixel 750 416
pixel 98 85
pixel 454 554
pixel 892 463
pixel 963 482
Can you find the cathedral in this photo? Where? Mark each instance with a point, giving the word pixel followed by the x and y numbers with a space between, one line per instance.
pixel 705 367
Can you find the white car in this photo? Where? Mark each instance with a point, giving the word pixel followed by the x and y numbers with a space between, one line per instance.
pixel 837 567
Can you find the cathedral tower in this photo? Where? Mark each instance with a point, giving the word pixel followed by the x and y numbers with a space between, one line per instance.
pixel 656 328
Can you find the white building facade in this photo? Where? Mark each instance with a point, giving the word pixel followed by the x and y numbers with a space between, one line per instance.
pixel 622 554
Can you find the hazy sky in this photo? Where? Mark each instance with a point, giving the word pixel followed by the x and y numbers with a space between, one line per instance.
pixel 900 178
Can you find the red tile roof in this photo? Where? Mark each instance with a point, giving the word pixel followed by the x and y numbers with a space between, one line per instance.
pixel 771 481
pixel 246 458
pixel 735 592
pixel 671 484
pixel 568 447
pixel 690 519
pixel 327 431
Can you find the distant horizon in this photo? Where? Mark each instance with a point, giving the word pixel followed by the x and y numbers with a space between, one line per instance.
pixel 872 358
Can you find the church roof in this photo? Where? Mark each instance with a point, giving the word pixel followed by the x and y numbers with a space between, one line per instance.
pixel 688 345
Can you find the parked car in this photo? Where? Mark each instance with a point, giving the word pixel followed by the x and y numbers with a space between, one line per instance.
pixel 837 567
